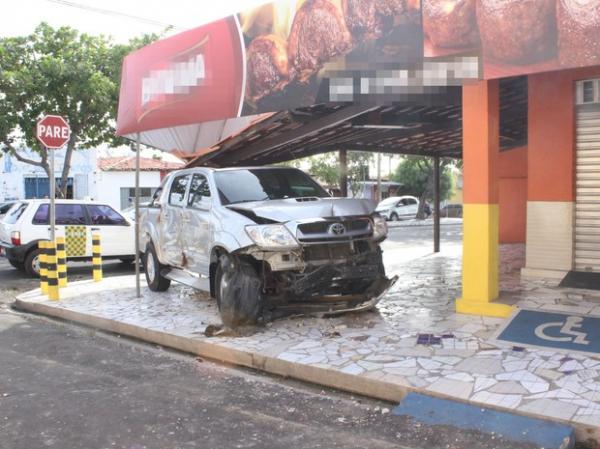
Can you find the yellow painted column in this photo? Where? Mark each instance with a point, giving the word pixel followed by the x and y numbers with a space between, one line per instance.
pixel 42 245
pixel 53 293
pixel 481 146
pixel 61 255
pixel 96 257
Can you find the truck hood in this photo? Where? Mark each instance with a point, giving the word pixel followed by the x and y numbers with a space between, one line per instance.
pixel 302 208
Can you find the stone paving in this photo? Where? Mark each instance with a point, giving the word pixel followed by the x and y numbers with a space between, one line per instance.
pixel 414 340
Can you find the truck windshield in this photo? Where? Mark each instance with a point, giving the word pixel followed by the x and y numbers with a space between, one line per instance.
pixel 244 185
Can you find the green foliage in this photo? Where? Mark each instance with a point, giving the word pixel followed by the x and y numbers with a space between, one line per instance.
pixel 326 167
pixel 415 173
pixel 60 71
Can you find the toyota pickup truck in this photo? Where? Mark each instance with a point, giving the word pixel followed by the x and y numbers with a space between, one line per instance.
pixel 263 242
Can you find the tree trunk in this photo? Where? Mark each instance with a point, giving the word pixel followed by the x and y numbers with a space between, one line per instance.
pixel 62 191
pixel 426 193
pixel 42 163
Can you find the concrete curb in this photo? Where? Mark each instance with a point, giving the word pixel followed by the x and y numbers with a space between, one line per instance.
pixel 347 382
pixel 362 385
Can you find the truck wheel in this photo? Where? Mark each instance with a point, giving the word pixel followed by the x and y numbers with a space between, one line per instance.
pixel 32 263
pixel 238 291
pixel 152 268
pixel 16 264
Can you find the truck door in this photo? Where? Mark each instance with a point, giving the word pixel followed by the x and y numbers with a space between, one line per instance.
pixel 171 222
pixel 196 219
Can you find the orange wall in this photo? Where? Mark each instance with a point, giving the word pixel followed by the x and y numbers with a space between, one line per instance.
pixel 512 173
pixel 552 134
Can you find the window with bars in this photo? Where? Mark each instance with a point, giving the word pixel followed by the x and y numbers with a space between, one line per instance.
pixel 128 196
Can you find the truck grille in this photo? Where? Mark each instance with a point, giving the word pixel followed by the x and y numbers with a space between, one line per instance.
pixel 322 231
pixel 335 251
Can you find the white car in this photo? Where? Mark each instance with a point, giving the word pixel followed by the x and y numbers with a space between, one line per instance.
pixel 5 207
pixel 397 208
pixel 26 223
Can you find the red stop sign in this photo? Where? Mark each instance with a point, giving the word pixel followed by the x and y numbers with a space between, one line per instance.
pixel 53 131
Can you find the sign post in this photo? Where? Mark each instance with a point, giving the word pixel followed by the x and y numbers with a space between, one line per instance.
pixel 53 132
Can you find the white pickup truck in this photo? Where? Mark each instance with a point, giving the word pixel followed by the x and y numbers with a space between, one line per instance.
pixel 263 241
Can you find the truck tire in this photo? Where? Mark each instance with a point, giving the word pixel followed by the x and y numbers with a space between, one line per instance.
pixel 16 264
pixel 238 291
pixel 152 268
pixel 32 263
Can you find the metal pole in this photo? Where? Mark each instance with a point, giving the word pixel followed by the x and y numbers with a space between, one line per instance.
pixel 52 182
pixel 379 195
pixel 436 204
pixel 344 173
pixel 137 216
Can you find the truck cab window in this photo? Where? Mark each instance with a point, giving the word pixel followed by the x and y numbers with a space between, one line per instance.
pixel 178 188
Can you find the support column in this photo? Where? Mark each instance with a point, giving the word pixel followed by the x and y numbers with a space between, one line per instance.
pixel 481 146
pixel 343 160
pixel 436 204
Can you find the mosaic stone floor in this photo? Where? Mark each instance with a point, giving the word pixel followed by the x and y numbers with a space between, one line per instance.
pixel 414 339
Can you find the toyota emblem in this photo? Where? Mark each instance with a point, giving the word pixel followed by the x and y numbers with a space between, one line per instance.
pixel 337 229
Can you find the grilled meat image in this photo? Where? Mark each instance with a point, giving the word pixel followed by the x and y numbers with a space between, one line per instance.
pixel 517 31
pixel 267 67
pixel 318 34
pixel 368 19
pixel 578 32
pixel 450 23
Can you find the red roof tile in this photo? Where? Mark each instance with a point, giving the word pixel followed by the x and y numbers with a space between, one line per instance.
pixel 127 163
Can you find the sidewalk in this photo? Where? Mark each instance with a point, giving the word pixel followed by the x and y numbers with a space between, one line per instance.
pixel 381 354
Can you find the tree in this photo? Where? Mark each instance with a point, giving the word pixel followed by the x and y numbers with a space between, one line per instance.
pixel 59 71
pixel 326 168
pixel 415 173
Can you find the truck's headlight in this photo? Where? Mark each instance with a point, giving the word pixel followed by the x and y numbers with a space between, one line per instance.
pixel 380 228
pixel 271 236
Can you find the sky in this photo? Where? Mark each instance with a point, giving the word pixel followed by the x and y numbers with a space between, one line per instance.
pixel 143 16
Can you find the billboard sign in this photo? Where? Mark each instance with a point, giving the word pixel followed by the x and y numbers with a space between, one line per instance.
pixel 293 53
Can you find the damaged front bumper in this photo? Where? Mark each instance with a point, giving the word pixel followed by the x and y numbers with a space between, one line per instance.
pixel 332 306
pixel 322 279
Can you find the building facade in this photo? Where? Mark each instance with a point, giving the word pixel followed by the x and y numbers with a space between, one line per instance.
pixel 94 174
pixel 545 193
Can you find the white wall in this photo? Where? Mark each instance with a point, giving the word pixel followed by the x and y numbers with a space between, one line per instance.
pixel 106 185
pixel 13 172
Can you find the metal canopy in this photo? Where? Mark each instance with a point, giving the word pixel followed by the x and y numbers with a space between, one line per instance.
pixel 425 130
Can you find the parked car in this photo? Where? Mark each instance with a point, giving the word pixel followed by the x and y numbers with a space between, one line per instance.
pixel 399 208
pixel 5 207
pixel 452 210
pixel 27 223
pixel 263 240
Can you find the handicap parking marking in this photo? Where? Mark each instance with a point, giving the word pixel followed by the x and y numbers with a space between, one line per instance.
pixel 563 331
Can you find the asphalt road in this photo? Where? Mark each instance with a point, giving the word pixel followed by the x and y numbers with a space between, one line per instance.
pixel 65 386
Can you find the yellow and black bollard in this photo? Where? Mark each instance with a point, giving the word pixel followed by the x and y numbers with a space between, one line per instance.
pixel 53 293
pixel 42 245
pixel 96 257
pixel 61 255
